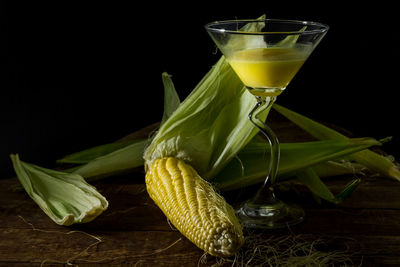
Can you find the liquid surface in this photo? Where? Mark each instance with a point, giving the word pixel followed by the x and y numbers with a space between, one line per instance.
pixel 267 71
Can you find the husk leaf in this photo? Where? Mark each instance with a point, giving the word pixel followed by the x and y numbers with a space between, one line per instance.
pixel 66 198
pixel 372 160
pixel 251 164
pixel 210 126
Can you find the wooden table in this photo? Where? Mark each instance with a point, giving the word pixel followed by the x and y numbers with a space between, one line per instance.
pixel 134 232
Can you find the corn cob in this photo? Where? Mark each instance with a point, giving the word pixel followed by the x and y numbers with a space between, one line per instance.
pixel 193 207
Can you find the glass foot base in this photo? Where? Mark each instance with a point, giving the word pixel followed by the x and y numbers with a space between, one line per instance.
pixel 276 215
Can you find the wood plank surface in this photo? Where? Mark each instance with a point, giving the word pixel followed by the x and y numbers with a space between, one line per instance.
pixel 134 232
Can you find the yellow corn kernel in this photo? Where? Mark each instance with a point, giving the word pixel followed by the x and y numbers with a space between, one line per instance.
pixel 193 207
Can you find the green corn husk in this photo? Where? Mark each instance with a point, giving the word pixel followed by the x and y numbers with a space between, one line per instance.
pixel 66 198
pixel 171 98
pixel 120 161
pixel 291 39
pixel 237 42
pixel 373 161
pixel 332 168
pixel 250 167
pixel 349 189
pixel 210 126
pixel 90 154
pixel 310 178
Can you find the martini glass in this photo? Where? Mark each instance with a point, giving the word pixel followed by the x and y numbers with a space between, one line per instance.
pixel 266 54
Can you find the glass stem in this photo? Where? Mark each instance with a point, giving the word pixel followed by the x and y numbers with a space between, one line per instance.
pixel 266 194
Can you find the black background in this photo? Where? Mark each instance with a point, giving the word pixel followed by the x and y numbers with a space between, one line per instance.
pixel 75 75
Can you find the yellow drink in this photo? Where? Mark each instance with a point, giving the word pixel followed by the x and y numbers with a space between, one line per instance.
pixel 267 71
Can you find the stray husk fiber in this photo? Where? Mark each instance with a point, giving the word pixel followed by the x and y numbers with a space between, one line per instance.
pixel 85 253
pixel 285 251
